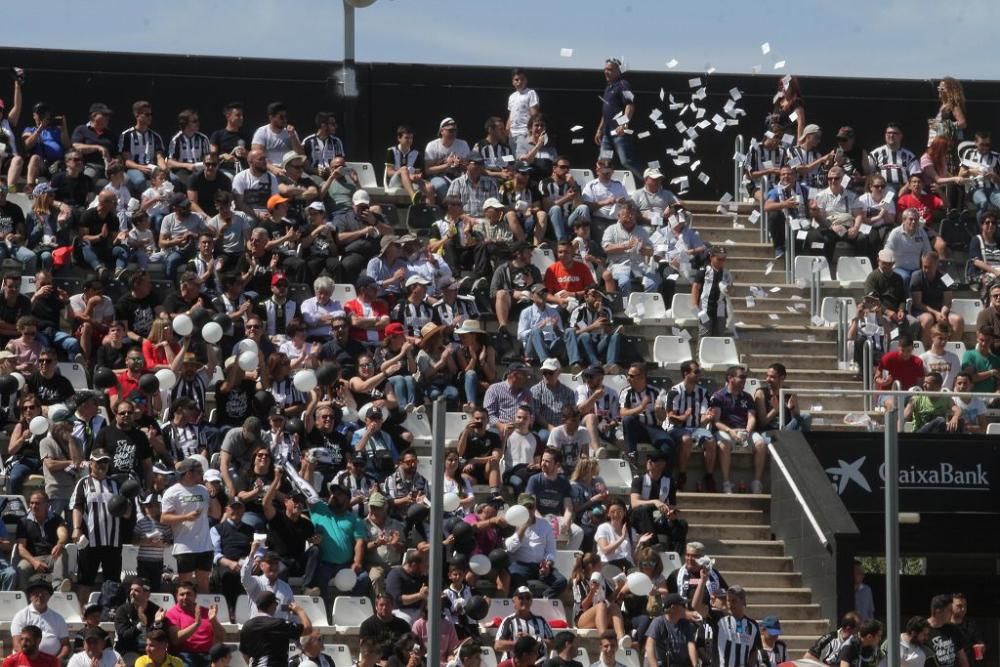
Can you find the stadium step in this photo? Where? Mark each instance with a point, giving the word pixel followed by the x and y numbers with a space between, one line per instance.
pixel 804 627
pixel 721 501
pixel 741 516
pixel 744 563
pixel 766 579
pixel 800 316
pixel 760 276
pixel 750 547
pixel 814 362
pixel 743 237
pixel 782 611
pixel 778 595
pixel 727 531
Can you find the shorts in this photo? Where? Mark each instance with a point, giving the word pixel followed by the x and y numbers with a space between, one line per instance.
pixel 201 561
pixel 98 331
pixel 697 434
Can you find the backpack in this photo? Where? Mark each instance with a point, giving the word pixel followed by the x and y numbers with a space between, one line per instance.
pixel 112 596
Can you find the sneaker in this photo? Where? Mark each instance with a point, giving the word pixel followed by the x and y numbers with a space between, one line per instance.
pixel 779 253
pixel 78 358
pixel 727 488
pixel 480 285
pixel 65 586
pixel 312 592
pixel 601 453
pixel 756 487
pixel 420 409
pixel 119 271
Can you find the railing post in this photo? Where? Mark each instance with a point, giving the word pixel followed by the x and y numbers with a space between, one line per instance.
pixel 764 236
pixel 789 252
pixel 738 169
pixel 866 372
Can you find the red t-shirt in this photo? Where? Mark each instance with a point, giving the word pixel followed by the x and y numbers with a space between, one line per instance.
pixel 127 384
pixel 573 279
pixel 378 308
pixel 909 372
pixel 926 204
pixel 203 638
pixel 40 659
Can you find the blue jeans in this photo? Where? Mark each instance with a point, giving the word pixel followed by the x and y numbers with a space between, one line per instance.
pixel 90 257
pixel 521 573
pixel 61 340
pixel 536 347
pixel 470 379
pixel 633 430
pixel 607 347
pixel 255 521
pixel 449 393
pixel 173 260
pixel 19 473
pixel 563 227
pixel 983 198
pixel 136 181
pixel 406 389
pixel 440 185
pixel 325 572
pixel 28 259
pixel 801 423
pixel 905 275
pixel 8 575
pixel 622 146
pixel 622 273
pixel 123 254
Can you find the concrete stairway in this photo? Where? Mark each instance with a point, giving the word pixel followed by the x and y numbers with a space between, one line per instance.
pixel 737 534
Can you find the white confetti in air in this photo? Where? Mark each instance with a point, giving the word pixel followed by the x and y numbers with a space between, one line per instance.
pixel 643 134
pixel 703 177
pixel 578 141
pixel 672 63
pixel 566 53
pixel 576 128
pixel 765 48
pixel 779 65
pixel 695 82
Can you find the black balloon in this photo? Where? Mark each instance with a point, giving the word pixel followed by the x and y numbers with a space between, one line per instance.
pixel 263 401
pixel 417 512
pixel 461 530
pixel 104 378
pixel 130 489
pixel 149 384
pixel 295 425
pixel 477 608
pixel 223 321
pixel 118 506
pixel 200 317
pixel 8 385
pixel 326 374
pixel 500 559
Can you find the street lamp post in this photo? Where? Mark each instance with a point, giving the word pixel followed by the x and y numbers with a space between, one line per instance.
pixel 348 74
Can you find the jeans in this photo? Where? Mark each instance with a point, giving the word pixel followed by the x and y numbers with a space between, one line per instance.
pixel 406 389
pixel 136 181
pixel 905 275
pixel 173 260
pixel 19 472
pixel 305 566
pixel 440 185
pixel 622 273
pixel 801 423
pixel 521 573
pixel 28 259
pixel 90 257
pixel 563 227
pixel 123 254
pixel 984 198
pixel 61 340
pixel 622 146
pixel 470 380
pixel 255 521
pixel 607 347
pixel 536 347
pixel 193 659
pixel 449 393
pixel 633 430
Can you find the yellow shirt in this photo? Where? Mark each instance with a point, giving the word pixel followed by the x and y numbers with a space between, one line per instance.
pixel 171 661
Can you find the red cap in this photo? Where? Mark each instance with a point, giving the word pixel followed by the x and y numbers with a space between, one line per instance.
pixel 395 329
pixel 277 278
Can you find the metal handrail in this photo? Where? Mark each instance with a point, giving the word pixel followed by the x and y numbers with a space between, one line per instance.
pixel 840 307
pixel 797 493
pixel 789 251
pixel 738 169
pixel 762 189
pixel 866 372
pixel 815 289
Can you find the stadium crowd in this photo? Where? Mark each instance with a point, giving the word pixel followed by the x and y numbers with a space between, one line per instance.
pixel 247 414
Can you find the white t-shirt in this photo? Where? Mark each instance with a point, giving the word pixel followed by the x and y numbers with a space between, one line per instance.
pixel 190 537
pixel 971 409
pixel 436 152
pixel 275 144
pixel 520 449
pixel 947 364
pixel 622 551
pixel 51 623
pixel 109 658
pixel 519 105
pixel 103 312
pixel 595 191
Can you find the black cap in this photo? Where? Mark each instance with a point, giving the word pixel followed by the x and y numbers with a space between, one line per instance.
pixel 41 108
pixel 522 167
pixel 673 599
pixel 593 371
pixel 38 582
pixel 219 652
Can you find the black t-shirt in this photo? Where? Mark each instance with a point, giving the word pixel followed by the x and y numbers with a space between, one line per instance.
pixel 345 355
pixel 128 449
pixel 286 537
pixel 856 655
pixel 549 493
pixel 236 405
pixel 943 645
pixel 559 662
pixel 42 538
pixel 673 640
pixel 10 313
pixel 227 142
pixel 58 389
pixel 206 190
pixel 260 280
pixel 268 637
pixel 654 488
pixel 85 134
pixel 11 218
pixel 383 632
pixel 297 207
pixel 333 441
pixel 399 583
pixel 478 446
pixel 73 190
pixel 931 291
pixel 113 357
pixel 48 310
pixel 138 313
pixel 175 303
pixel 91 224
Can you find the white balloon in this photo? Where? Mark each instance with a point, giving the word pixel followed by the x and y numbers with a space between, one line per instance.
pixel 38 425
pixel 450 502
pixel 480 564
pixel 249 361
pixel 517 515
pixel 183 326
pixel 639 584
pixel 345 580
pixel 167 379
pixel 305 380
pixel 246 345
pixel 211 332
pixel 20 380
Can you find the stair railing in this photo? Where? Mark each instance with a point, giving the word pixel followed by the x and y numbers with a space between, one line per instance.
pixel 867 352
pixel 738 147
pixel 815 287
pixel 789 251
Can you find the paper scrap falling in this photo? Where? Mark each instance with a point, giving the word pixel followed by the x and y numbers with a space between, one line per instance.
pixel 661 95
pixel 672 63
pixel 754 216
pixel 703 177
pixel 576 128
pixel 566 53
pixel 653 164
pixel 817 320
pixel 779 65
pixel 729 242
pixel 773 316
pixel 655 114
pixel 947 280
pixel 790 309
pixel 710 70
pixel 765 48
pixel 775 290
pixel 755 69
pixel 643 134
pixel 695 82
pixel 578 140
pixel 695 165
pixel 735 94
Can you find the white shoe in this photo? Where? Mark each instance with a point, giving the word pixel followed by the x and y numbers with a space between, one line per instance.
pixel 727 487
pixel 601 453
pixel 625 642
pixel 756 487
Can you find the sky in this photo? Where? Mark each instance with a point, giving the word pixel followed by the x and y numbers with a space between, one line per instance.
pixel 918 39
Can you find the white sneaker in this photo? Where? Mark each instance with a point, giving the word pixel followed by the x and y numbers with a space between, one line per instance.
pixel 601 453
pixel 756 487
pixel 625 642
pixel 727 487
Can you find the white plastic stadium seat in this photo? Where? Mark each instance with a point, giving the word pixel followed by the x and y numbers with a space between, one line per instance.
pixel 418 424
pixel 385 184
pixel 918 347
pixel 852 271
pixel 956 346
pixel 752 385
pixel 350 612
pixel 682 311
pixel 626 178
pixel 340 653
pixel 75 373
pixel 828 309
pixel 499 607
pixel 616 382
pixel 542 258
pixel 27 285
pixel 582 656
pixel 647 308
pixel 616 474
pixel 581 176
pixel 628 657
pixel 22 200
pixel 343 292
pixel 717 353
pixel 550 610
pixel 993 429
pixel 68 605
pixel 806 265
pixel 315 609
pixel 671 561
pixel 671 351
pixel 565 561
pixel 208 599
pixel 967 308
pixel 570 380
pixel 454 424
pixel 242 609
pixel 366 174
pixel 487 658
pixel 162 600
pixel 11 602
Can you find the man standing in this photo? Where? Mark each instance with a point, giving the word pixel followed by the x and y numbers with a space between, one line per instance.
pixel 277 137
pixel 532 550
pixel 738 638
pixel 710 294
pixel 185 510
pixel 945 643
pixel 670 638
pixel 617 111
pixel 972 639
pixel 522 106
pixel 266 636
pixel 93 517
pixel 128 446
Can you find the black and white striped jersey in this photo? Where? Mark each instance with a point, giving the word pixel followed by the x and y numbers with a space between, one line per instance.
pixel 194 389
pixel 320 150
pixel 678 400
pixel 533 626
pixel 629 398
pixel 91 497
pixel 738 640
pixel 895 166
pixel 189 149
pixel 140 147
pixel 493 154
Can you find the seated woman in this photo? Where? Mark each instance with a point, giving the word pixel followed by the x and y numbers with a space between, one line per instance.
pixel 287 398
pixel 371 388
pixel 436 365
pixel 615 544
pixel 48 225
pixel 397 361
pixel 595 603
pixel 984 253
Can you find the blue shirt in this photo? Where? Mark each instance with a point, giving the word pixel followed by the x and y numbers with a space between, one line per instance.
pixel 615 100
pixel 338 533
pixel 49 144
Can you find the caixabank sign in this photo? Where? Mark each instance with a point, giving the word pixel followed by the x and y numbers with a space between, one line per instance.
pixel 936 475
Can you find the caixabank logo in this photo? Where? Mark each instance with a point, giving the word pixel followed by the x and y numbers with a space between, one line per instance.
pixel 941 476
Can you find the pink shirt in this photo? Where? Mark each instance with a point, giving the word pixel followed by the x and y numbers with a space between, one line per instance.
pixel 26 355
pixel 203 638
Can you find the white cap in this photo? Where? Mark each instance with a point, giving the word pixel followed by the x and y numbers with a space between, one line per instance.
pixel 361 197
pixel 811 128
pixel 417 280
pixel 652 172
pixel 492 202
pixel 212 475
pixel 551 364
pixel 446 121
pixel 317 206
pixel 886 255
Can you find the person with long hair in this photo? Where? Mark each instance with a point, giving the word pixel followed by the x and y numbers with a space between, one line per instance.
pixel 984 252
pixel 161 347
pixel 787 101
pixel 615 544
pixel 290 400
pixel 934 164
pixel 590 494
pixel 396 359
pixel 477 361
pixel 47 226
pixel 950 118
pixel 594 597
pixel 643 609
pixel 436 364
pixel 455 482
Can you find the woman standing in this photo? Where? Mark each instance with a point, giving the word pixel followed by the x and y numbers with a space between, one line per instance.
pixel 789 110
pixel 476 360
pixel 950 119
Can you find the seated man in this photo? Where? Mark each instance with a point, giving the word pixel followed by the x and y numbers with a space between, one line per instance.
pixel 655 202
pixel 736 426
pixel 93 313
pixel 653 498
pixel 540 330
pixel 982 361
pixel 603 195
pixel 551 489
pixel 787 199
pixel 933 414
pixel 561 198
pixel 628 247
pixel 641 418
pixel 516 630
pixel 473 187
pixel 526 216
pixel 766 399
pixel 887 286
pixel 932 299
pixel 839 215
pixel 532 550
pixel 595 331
pixel 481 450
pixel 568 278
pixel 940 359
pixel 512 282
pixel 973 409
pixel 689 418
pixel 986 173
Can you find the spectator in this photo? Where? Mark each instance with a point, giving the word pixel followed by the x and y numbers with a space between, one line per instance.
pixel 879 212
pixel 550 396
pixel 773 651
pixel 187 149
pixel 943 640
pixel 342 539
pixel 444 157
pixel 806 161
pixel 94 141
pixel 522 105
pixel 710 294
pixel 849 156
pixel 277 137
pixel 688 421
pixel 564 646
pixel 893 162
pixel 933 414
pixel 27 346
pixel 252 187
pixel 95 518
pixel 401 170
pixel 407 585
pixel 900 364
pixel 386 544
pixel 157 645
pixel 266 636
pixel 932 299
pixel 595 333
pixel 561 199
pixel 569 439
pixel 864 602
pixel 542 333
pixel 653 499
pixel 698 583
pixel 827 647
pixel 908 243
pixel 526 217
pixel 986 175
pixel 609 649
pixel 984 253
pixel 670 638
pixel 971 638
pixel 615 542
pixel 13 305
pixel 41 541
pixel 340 186
pixel 532 552
pixel 185 509
pixel 553 497
pixel 54 638
pixel 738 635
pixel 29 652
pixel 764 161
pixel 96 651
pixel 973 409
pixel 153 536
pixel 640 418
pixel 204 186
pixel 789 112
pixel 736 425
pixel 912 641
pixel 92 311
pixel 886 285
pixel 495 147
pixel 863 648
pixel 628 246
pixel 231 541
pixel 927 202
pixel 934 167
pixel 61 459
pixel 617 110
pixel 312 650
pixel 141 148
pixel 523 624
pixel 474 188
pixel 568 278
pixel 940 360
pixel 503 398
pixel 297 188
pixel 93 247
pixel 23 453
pixel 48 225
pixel 510 287
pixel 767 400
pixel 193 629
pixel 48 304
pixel 481 450
pixel 655 202
pixel 839 215
pixel 179 234
pixel 383 627
pixel 603 195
